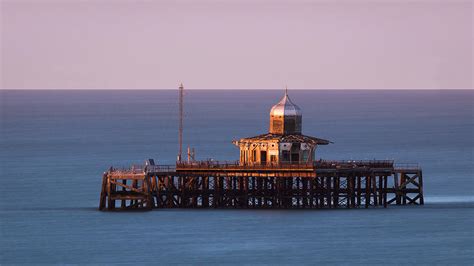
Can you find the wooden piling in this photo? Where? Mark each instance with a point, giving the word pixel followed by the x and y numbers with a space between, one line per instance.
pixel 221 187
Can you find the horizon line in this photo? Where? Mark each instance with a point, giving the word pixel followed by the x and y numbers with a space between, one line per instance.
pixel 224 89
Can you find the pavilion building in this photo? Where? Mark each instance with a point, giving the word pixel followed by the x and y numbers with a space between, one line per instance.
pixel 284 143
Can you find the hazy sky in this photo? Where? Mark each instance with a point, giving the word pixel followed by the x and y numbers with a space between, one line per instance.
pixel 237 44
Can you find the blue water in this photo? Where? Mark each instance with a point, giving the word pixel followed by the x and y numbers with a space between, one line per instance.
pixel 54 146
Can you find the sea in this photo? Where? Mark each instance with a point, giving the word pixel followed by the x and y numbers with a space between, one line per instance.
pixel 55 145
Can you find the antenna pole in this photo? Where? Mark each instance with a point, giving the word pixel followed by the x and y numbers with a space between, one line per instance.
pixel 181 113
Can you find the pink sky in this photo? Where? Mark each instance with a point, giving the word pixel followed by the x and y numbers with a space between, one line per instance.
pixel 237 44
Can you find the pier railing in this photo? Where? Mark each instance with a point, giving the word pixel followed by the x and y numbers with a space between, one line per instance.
pixel 269 166
pixel 407 166
pixel 336 164
pixel 235 165
pixel 320 164
pixel 141 169
pixel 160 168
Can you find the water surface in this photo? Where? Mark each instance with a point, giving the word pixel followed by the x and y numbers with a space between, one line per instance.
pixel 54 146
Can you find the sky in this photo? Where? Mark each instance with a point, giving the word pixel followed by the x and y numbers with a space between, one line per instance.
pixel 217 44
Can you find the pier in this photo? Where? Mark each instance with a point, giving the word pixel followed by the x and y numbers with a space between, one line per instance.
pixel 276 170
pixel 319 185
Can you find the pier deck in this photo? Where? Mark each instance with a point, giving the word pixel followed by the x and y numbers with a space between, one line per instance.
pixel 317 185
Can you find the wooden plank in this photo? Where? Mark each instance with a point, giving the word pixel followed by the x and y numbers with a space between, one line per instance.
pixel 103 193
pixel 420 179
pixel 137 176
pixel 124 185
pixel 367 191
pixel 111 202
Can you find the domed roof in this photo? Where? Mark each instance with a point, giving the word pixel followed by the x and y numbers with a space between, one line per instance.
pixel 285 107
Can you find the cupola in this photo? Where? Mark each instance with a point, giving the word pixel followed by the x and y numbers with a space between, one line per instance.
pixel 285 117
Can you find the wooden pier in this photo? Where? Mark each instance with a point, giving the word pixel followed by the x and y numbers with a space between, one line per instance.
pixel 317 185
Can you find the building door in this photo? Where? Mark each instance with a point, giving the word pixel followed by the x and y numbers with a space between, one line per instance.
pixel 263 157
pixel 295 158
pixel 295 153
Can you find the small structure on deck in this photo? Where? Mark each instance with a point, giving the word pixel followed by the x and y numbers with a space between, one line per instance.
pixel 275 170
pixel 284 142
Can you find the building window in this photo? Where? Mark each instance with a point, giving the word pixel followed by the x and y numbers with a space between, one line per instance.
pixel 263 157
pixel 305 155
pixel 273 158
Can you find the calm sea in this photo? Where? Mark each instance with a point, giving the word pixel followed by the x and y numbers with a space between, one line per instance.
pixel 54 145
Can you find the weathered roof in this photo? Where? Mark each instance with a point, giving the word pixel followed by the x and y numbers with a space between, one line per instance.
pixel 285 107
pixel 287 138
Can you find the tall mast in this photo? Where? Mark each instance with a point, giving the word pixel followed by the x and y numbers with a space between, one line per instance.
pixel 181 114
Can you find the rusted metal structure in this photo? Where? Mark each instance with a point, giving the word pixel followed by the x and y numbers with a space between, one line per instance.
pixel 322 184
pixel 276 170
